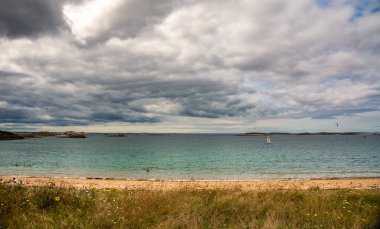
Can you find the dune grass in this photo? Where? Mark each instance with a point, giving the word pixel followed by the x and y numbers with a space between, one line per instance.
pixel 54 207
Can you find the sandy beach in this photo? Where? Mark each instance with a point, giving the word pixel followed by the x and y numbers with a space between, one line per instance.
pixel 353 183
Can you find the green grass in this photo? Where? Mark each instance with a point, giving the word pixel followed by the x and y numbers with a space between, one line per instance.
pixel 55 207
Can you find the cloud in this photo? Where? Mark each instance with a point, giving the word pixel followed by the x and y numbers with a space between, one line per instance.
pixel 30 18
pixel 98 20
pixel 153 62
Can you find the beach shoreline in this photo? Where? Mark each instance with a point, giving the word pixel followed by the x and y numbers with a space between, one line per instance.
pixel 288 184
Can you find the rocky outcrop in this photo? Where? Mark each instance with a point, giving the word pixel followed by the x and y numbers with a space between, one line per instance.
pixel 4 135
pixel 44 134
pixel 262 134
pixel 331 133
pixel 72 134
pixel 40 134
pixel 116 135
pixel 305 133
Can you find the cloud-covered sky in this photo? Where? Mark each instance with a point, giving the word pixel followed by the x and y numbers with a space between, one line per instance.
pixel 190 66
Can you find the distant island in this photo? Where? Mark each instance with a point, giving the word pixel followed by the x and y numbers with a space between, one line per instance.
pixel 5 135
pixel 304 133
pixel 333 133
pixel 262 134
pixel 115 135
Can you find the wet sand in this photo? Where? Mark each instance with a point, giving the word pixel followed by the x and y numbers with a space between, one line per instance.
pixel 353 183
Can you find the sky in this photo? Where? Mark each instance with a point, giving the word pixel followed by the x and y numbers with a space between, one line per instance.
pixel 187 66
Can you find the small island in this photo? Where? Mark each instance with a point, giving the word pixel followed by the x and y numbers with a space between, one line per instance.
pixel 332 133
pixel 116 135
pixel 5 135
pixel 72 134
pixel 262 134
pixel 305 133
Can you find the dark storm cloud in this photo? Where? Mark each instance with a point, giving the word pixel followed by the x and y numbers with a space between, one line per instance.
pixel 12 115
pixel 192 98
pixel 23 101
pixel 122 101
pixel 197 98
pixel 30 18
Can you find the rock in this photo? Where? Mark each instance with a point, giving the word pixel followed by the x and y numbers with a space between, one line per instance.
pixel 40 134
pixel 44 134
pixel 116 135
pixel 4 135
pixel 72 134
pixel 262 134
pixel 331 133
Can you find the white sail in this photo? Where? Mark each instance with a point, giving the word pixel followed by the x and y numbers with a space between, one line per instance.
pixel 268 140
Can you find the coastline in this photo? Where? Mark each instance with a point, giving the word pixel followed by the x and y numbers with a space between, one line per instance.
pixel 246 185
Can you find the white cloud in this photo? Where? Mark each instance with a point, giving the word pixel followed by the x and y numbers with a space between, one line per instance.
pixel 90 18
pixel 244 61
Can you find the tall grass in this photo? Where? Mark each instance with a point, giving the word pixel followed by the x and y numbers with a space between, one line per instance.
pixel 55 207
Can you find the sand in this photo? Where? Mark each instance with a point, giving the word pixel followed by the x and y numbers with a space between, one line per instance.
pixel 353 183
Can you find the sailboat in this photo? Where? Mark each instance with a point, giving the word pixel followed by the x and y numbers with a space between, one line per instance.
pixel 268 140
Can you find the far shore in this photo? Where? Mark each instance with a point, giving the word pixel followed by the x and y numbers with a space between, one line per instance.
pixel 336 183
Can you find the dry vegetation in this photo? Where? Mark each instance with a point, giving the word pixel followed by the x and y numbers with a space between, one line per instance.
pixel 54 207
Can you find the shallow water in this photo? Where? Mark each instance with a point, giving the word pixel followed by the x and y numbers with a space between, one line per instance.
pixel 194 156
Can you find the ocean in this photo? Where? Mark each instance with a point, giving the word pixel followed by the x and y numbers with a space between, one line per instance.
pixel 194 157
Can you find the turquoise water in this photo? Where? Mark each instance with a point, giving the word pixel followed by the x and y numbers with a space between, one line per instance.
pixel 193 156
